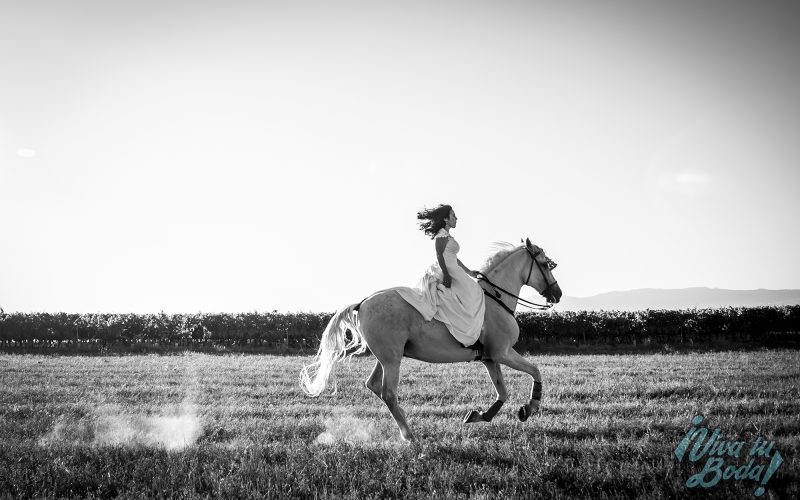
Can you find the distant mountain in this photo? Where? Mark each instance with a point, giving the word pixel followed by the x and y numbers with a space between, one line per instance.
pixel 682 298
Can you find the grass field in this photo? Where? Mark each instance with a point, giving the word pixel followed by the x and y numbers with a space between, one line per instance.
pixel 197 425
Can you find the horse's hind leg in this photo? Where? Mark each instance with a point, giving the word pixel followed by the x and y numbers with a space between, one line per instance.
pixel 375 381
pixel 493 369
pixel 391 379
pixel 515 360
pixel 384 326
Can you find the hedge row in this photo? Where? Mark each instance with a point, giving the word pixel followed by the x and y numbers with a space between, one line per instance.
pixel 732 325
pixel 303 330
pixel 297 329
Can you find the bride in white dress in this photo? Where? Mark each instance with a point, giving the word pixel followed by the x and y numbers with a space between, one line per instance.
pixel 447 292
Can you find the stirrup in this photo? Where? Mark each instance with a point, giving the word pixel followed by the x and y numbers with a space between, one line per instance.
pixel 477 348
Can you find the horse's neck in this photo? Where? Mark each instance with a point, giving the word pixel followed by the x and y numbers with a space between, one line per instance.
pixel 507 276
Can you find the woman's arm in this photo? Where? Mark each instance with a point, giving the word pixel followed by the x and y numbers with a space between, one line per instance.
pixel 441 243
pixel 467 270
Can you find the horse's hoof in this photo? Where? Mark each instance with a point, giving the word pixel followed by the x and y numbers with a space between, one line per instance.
pixel 523 413
pixel 473 416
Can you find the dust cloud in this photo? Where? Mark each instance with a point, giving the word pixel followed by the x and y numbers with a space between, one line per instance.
pixel 343 426
pixel 112 425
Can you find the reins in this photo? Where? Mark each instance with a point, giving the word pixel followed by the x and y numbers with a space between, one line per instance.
pixel 526 303
pixel 520 300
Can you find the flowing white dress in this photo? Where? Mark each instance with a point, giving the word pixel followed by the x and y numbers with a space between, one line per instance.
pixel 459 307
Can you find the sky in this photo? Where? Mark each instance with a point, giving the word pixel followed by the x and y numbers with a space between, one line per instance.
pixel 236 156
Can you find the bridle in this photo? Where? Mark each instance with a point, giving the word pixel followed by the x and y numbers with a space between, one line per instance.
pixel 526 303
pixel 550 266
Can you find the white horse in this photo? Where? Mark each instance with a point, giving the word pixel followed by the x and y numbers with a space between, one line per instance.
pixel 392 328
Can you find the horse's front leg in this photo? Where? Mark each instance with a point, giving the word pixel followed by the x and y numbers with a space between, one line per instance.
pixel 515 360
pixel 500 388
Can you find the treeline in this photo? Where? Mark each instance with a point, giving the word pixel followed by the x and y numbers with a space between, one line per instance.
pixel 766 326
pixel 771 326
pixel 295 330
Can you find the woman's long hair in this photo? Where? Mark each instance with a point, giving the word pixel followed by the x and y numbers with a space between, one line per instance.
pixel 433 219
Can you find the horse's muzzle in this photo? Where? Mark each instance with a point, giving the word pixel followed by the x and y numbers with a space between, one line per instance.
pixel 554 294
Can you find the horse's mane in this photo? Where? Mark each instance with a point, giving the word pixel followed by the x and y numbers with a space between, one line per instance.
pixel 499 251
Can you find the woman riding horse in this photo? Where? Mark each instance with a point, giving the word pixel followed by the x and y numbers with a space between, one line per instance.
pixel 392 328
pixel 447 291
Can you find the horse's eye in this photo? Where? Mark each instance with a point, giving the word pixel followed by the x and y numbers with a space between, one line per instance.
pixel 551 265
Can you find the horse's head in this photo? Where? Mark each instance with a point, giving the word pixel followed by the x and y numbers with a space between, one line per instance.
pixel 542 280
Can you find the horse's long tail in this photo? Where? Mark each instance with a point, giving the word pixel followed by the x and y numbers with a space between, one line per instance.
pixel 332 348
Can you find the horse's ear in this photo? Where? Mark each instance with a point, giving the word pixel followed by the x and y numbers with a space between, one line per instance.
pixel 528 243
